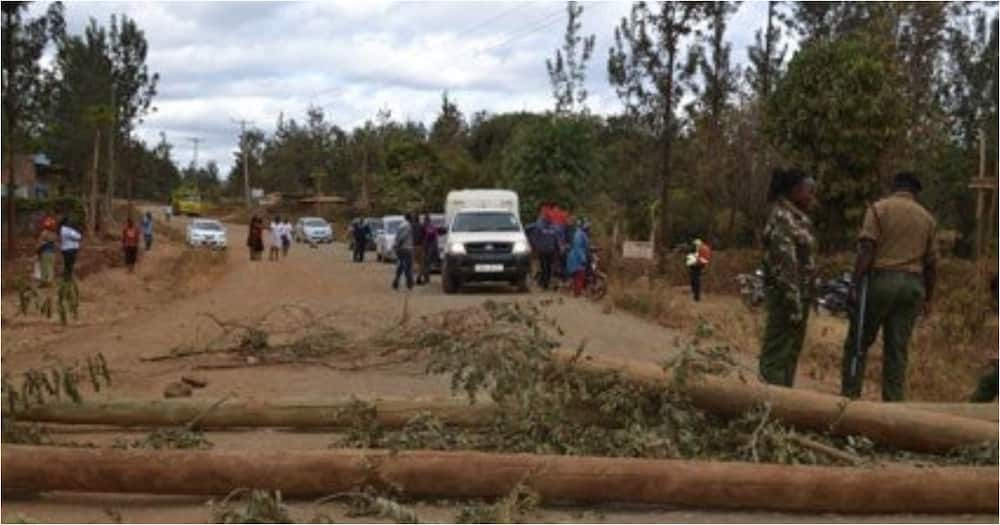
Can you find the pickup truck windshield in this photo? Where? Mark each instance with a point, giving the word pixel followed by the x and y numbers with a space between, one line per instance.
pixel 208 226
pixel 485 222
pixel 315 223
pixel 392 227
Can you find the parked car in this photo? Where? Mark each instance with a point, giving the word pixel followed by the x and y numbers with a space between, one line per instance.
pixel 206 232
pixel 386 237
pixel 313 230
pixel 485 242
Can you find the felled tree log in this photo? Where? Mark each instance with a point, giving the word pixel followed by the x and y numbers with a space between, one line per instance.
pixel 983 411
pixel 436 474
pixel 390 413
pixel 887 423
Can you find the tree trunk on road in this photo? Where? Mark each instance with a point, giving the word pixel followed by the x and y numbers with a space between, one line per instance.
pixel 435 474
pixel 886 423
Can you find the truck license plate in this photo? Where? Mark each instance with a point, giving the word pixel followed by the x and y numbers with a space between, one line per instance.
pixel 489 268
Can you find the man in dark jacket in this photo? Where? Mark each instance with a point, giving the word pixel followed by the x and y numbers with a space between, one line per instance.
pixel 547 243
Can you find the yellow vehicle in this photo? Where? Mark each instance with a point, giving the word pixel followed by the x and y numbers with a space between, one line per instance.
pixel 187 201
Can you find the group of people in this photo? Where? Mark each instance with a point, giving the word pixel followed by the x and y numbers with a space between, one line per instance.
pixel 65 237
pixel 561 249
pixel 414 241
pixel 281 238
pixel 893 280
pixel 62 236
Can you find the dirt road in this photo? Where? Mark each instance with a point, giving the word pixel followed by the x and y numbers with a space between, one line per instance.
pixel 131 316
pixel 127 317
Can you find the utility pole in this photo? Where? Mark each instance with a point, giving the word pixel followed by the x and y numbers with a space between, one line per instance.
pixel 983 185
pixel 246 164
pixel 194 163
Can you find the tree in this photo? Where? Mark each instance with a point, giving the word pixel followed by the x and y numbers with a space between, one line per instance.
pixel 132 87
pixel 24 41
pixel 449 129
pixel 714 82
pixel 567 72
pixel 551 160
pixel 837 112
pixel 643 66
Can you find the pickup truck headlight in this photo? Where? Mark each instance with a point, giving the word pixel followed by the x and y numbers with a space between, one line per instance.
pixel 520 247
pixel 456 248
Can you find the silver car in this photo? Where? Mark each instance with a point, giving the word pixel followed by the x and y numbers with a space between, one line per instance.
pixel 387 237
pixel 206 232
pixel 313 230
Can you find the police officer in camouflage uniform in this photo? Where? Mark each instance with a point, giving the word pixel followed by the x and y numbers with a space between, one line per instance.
pixel 898 254
pixel 789 270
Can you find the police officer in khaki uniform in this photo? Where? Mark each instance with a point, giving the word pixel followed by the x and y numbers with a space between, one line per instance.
pixel 897 253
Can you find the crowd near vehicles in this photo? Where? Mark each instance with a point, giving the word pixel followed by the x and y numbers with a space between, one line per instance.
pixel 485 240
pixel 386 237
pixel 313 230
pixel 206 233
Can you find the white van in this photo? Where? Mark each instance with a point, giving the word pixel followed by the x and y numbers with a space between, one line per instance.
pixel 485 240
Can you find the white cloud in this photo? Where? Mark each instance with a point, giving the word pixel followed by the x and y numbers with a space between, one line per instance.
pixel 220 61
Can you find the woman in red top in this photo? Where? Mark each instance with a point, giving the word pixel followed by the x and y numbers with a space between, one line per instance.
pixel 130 244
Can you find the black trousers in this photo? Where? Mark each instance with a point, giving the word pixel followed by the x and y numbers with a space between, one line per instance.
pixel 694 272
pixel 69 261
pixel 547 261
pixel 359 250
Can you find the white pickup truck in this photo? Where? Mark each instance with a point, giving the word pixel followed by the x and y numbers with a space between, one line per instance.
pixel 485 240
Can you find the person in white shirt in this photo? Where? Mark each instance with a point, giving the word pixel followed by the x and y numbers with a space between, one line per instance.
pixel 273 254
pixel 286 237
pixel 69 245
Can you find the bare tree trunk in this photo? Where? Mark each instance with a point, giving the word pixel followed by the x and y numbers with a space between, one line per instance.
pixel 94 187
pixel 110 194
pixel 465 474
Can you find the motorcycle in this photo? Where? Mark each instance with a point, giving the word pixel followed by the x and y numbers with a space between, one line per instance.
pixel 831 295
pixel 597 281
pixel 752 288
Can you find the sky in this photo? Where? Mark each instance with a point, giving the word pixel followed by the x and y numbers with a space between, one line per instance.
pixel 220 62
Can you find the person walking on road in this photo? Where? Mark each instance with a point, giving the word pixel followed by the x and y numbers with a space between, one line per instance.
pixel 360 231
pixel 403 247
pixel 897 262
pixel 285 229
pixel 576 260
pixel 547 243
pixel 430 248
pixel 418 248
pixel 147 230
pixel 255 238
pixel 789 270
pixel 130 244
pixel 696 262
pixel 274 252
pixel 69 245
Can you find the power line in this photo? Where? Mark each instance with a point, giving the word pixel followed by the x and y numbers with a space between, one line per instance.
pixel 488 21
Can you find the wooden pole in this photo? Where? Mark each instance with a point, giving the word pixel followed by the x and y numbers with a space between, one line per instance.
pixel 296 414
pixel 436 474
pixel 886 423
pixel 305 413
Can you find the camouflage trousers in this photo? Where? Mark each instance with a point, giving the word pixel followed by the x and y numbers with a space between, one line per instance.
pixel 783 339
pixel 894 301
pixel 988 386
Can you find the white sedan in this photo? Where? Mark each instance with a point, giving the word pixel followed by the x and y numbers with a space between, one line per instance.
pixel 313 230
pixel 206 232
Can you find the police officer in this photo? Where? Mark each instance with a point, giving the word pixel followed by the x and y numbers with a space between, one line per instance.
pixel 789 268
pixel 897 254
